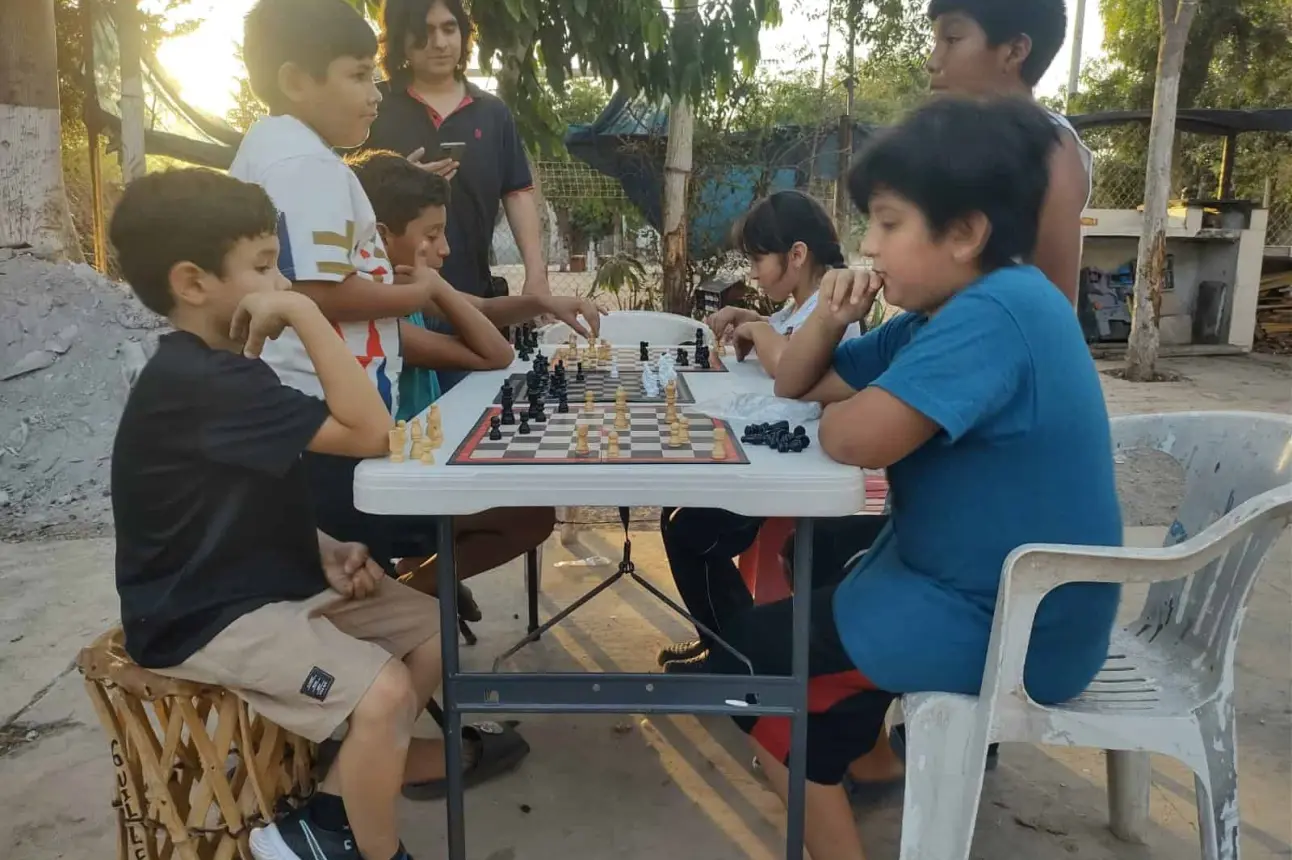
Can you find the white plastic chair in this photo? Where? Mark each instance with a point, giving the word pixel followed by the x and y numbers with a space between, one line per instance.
pixel 1168 684
pixel 629 328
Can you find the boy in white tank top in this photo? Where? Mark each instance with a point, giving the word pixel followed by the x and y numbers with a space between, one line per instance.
pixel 1003 47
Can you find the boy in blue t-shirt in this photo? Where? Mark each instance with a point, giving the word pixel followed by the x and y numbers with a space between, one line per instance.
pixel 984 405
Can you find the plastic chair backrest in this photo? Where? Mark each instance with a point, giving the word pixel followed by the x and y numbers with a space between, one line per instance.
pixel 1228 458
pixel 629 328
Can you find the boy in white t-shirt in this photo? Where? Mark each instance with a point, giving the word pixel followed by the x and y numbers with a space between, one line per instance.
pixel 312 63
pixel 791 243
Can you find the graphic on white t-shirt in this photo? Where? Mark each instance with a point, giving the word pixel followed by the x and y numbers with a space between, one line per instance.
pixel 327 231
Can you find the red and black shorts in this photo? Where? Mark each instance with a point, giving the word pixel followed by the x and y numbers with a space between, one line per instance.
pixel 845 711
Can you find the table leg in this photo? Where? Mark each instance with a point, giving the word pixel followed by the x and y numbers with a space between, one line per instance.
pixel 448 590
pixel 798 732
pixel 531 587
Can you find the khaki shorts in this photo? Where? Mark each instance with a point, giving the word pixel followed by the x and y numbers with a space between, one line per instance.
pixel 306 664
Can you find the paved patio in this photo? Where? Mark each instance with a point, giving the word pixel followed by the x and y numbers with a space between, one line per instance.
pixel 646 787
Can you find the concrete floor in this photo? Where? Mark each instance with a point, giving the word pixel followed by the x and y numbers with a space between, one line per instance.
pixel 646 787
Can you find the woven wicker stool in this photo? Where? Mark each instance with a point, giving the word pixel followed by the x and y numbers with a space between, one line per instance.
pixel 196 770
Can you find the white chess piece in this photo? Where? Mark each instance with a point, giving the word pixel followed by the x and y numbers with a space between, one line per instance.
pixel 614 367
pixel 650 382
pixel 666 371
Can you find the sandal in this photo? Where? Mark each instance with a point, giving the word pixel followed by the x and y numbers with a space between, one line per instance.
pixel 501 750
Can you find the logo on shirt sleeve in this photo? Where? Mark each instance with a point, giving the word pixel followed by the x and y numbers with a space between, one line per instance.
pixel 317 684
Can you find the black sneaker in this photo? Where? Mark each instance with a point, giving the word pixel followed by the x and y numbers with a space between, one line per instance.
pixel 296 837
pixel 681 651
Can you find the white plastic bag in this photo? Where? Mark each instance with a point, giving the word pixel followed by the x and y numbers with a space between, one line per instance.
pixel 759 408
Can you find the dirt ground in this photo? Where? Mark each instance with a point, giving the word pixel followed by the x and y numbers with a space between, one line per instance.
pixel 659 786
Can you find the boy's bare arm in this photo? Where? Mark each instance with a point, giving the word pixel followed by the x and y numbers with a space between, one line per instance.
pixel 359 421
pixel 1058 240
pixel 439 351
pixel 476 332
pixel 873 429
pixel 358 299
pixel 510 310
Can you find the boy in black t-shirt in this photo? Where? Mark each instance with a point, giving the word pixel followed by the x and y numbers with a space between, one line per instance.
pixel 222 576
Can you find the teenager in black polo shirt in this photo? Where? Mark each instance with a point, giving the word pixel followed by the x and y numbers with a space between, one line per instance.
pixel 427 101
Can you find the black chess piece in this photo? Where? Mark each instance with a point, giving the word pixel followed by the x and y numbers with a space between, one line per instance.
pixel 495 425
pixel 508 416
pixel 578 376
pixel 563 405
pixel 683 360
pixel 523 429
pixel 645 351
pixel 699 337
pixel 800 430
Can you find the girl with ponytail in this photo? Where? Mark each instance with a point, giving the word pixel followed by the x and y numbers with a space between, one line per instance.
pixel 791 243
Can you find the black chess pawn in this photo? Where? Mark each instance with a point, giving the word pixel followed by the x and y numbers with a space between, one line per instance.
pixel 645 351
pixel 578 376
pixel 495 428
pixel 800 430
pixel 682 358
pixel 523 429
pixel 796 444
pixel 563 405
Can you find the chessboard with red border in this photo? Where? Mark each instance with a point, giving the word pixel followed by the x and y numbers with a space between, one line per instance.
pixel 554 441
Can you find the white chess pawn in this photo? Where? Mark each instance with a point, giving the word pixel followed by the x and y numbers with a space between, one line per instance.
pixel 614 367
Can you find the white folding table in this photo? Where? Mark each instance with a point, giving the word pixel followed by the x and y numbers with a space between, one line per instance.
pixel 806 485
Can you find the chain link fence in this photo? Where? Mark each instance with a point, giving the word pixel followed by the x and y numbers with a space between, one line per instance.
pixel 1262 171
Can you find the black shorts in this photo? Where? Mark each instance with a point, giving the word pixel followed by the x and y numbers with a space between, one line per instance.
pixel 387 537
pixel 845 710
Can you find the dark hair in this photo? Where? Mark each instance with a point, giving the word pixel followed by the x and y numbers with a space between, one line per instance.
pixel 1042 21
pixel 398 190
pixel 775 223
pixel 954 157
pixel 191 215
pixel 403 18
pixel 308 33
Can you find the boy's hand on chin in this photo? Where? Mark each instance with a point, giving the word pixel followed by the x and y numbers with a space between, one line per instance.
pixel 263 316
pixel 424 275
pixel 846 296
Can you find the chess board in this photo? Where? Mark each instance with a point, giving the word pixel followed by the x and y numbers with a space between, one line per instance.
pixel 630 359
pixel 553 442
pixel 603 389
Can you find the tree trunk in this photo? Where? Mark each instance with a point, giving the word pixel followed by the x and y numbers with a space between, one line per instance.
pixel 33 200
pixel 130 38
pixel 1150 266
pixel 677 177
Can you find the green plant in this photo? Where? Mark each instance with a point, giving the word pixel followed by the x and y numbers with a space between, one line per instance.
pixel 625 278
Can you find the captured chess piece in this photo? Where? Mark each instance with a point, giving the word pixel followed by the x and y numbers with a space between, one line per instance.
pixel 495 428
pixel 396 445
pixel 719 443
pixel 581 445
pixel 427 457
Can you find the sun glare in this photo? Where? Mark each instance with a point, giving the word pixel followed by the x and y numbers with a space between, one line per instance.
pixel 205 62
